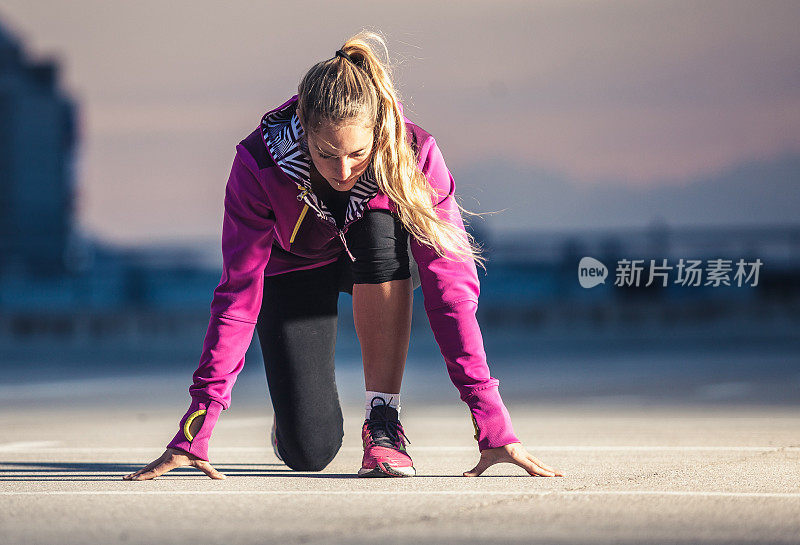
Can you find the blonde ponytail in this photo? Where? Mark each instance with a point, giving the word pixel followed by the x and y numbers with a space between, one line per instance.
pixel 336 91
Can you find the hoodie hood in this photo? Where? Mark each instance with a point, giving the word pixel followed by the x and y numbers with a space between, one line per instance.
pixel 283 136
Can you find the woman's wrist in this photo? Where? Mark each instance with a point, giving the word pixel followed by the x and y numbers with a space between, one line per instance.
pixel 194 439
pixel 490 418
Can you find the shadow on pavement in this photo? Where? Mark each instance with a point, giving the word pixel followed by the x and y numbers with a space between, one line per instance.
pixel 94 471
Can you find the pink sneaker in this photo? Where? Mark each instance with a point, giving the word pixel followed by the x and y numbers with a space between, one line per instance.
pixel 384 445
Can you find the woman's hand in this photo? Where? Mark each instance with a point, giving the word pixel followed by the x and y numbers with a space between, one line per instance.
pixel 513 453
pixel 171 459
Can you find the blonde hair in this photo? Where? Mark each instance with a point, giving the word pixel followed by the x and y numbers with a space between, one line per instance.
pixel 338 91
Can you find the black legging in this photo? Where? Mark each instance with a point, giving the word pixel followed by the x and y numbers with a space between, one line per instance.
pixel 297 331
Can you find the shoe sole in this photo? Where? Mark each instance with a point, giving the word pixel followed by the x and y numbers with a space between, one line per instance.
pixel 385 470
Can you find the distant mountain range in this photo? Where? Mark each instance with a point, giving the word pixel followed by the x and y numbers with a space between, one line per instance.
pixel 752 193
pixel 540 203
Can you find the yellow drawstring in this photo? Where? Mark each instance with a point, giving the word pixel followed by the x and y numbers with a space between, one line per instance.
pixel 188 423
pixel 299 221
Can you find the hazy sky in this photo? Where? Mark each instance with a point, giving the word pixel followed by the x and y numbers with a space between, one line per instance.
pixel 634 93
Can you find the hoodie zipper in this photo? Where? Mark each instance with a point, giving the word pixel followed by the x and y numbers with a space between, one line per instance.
pixel 304 191
pixel 299 221
pixel 346 249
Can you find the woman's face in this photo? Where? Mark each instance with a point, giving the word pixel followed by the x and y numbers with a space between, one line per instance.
pixel 341 153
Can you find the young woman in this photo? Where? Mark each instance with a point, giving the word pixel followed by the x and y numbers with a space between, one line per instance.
pixel 328 195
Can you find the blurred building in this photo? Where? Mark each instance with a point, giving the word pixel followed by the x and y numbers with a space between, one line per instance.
pixel 48 266
pixel 37 178
pixel 56 281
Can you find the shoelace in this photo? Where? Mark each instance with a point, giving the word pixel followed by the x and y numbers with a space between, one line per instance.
pixel 386 432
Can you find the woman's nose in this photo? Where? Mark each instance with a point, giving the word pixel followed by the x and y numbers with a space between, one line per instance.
pixel 343 169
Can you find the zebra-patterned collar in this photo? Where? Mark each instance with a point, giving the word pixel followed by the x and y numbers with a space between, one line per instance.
pixel 283 136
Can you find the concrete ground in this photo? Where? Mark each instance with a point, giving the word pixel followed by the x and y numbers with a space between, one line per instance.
pixel 634 474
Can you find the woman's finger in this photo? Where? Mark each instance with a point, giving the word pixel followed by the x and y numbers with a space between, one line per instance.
pixel 146 468
pixel 548 468
pixel 160 469
pixel 209 470
pixel 483 465
pixel 540 464
pixel 531 467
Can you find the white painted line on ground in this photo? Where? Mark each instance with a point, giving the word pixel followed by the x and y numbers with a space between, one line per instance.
pixel 648 448
pixel 45 448
pixel 686 493
pixel 701 493
pixel 27 445
pixel 254 422
pixel 624 448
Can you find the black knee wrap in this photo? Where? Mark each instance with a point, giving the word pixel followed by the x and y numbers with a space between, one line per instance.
pixel 379 242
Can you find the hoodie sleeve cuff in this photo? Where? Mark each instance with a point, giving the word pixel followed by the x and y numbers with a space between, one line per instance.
pixel 490 418
pixel 197 444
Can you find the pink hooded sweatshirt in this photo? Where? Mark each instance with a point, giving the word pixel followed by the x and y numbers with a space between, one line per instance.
pixel 267 230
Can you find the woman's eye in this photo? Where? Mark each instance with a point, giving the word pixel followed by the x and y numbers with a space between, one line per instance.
pixel 356 155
